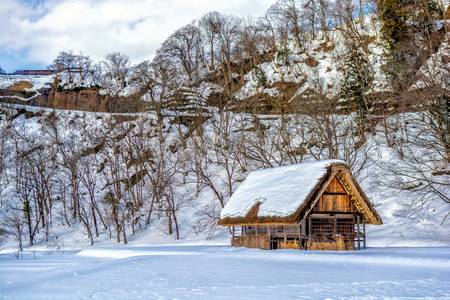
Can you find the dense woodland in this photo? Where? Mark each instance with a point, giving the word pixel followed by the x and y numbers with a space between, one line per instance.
pixel 224 96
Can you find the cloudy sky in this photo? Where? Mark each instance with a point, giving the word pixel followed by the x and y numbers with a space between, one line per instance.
pixel 34 31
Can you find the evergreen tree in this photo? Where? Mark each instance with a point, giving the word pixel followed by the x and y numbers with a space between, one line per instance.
pixel 357 79
pixel 399 17
pixel 393 18
pixel 409 28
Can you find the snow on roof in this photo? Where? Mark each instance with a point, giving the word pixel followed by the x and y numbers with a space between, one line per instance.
pixel 281 190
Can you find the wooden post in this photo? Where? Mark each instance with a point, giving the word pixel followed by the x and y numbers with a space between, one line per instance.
pixel 233 232
pixel 364 232
pixel 268 234
pixel 310 233
pixel 358 236
pixel 300 236
pixel 335 228
pixel 284 232
pixel 303 232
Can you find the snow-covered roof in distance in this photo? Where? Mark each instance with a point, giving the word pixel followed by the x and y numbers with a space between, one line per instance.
pixel 280 191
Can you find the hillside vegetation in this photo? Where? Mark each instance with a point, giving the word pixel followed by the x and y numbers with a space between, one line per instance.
pixel 162 145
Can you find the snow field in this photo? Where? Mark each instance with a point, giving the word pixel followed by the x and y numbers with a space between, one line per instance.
pixel 223 272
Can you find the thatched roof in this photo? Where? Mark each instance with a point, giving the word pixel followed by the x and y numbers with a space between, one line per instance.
pixel 285 195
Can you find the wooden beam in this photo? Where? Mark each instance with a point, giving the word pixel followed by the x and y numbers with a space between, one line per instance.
pixel 300 236
pixel 303 227
pixel 335 228
pixel 310 234
pixel 355 196
pixel 332 215
pixel 321 191
pixel 332 194
pixel 358 236
pixel 364 232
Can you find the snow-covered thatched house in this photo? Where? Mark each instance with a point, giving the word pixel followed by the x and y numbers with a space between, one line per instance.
pixel 314 205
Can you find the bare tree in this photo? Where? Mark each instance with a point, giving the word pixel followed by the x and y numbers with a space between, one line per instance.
pixel 217 158
pixel 5 154
pixel 211 23
pixel 288 15
pixel 116 67
pixel 344 15
pixel 318 13
pixel 66 61
pixel 252 42
pixel 115 200
pixel 228 36
pixel 34 174
pixel 96 74
pixel 70 154
pixel 185 47
pixel 85 65
pixel 13 225
pixel 267 23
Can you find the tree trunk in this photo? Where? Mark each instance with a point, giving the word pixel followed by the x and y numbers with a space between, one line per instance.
pixel 169 222
pixel 94 220
pixel 176 225
pixel 124 234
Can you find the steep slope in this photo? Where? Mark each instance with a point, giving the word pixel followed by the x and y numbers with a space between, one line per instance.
pixel 127 174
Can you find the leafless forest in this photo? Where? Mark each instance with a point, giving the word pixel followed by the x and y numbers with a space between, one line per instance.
pixel 225 96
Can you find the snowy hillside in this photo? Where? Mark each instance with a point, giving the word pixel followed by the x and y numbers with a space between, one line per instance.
pixel 201 180
pixel 319 64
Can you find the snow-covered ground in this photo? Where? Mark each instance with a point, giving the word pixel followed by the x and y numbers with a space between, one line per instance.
pixel 180 271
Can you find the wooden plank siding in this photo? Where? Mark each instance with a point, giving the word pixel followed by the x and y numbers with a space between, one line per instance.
pixel 335 199
pixel 273 231
pixel 335 187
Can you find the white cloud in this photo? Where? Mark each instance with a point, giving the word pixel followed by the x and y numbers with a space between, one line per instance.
pixel 96 27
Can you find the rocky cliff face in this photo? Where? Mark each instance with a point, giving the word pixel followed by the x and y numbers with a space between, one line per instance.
pixel 85 100
pixel 32 98
pixel 89 99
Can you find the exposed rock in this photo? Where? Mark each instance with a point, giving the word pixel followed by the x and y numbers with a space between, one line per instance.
pixel 85 100
pixel 20 86
pixel 38 98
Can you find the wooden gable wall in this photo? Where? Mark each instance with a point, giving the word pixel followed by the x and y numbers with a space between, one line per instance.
pixel 335 199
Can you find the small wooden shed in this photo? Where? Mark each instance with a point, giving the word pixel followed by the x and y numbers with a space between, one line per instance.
pixel 315 205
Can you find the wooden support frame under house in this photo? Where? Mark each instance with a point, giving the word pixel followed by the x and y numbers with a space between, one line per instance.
pixel 309 206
